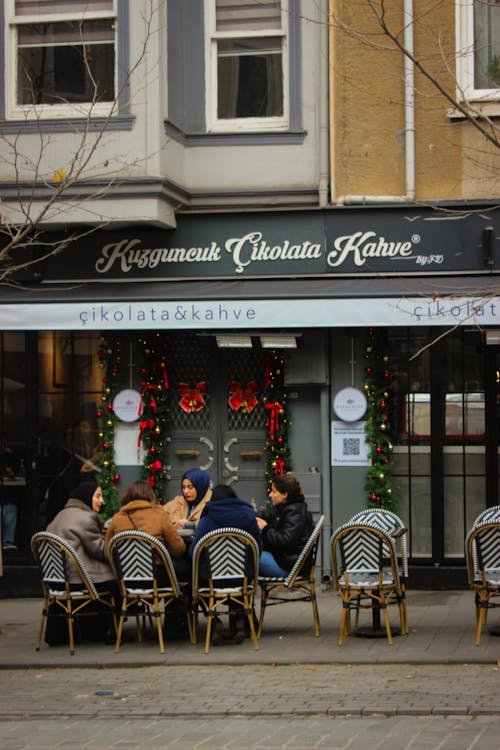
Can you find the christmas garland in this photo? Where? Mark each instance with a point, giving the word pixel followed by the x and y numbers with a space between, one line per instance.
pixel 108 477
pixel 153 424
pixel 378 428
pixel 277 451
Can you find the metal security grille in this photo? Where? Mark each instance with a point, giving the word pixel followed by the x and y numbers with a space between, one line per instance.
pixel 245 365
pixel 190 361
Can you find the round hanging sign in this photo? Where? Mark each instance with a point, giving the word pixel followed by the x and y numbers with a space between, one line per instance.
pixel 350 405
pixel 127 405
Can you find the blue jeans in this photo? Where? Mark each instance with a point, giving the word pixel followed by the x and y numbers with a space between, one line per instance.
pixel 9 522
pixel 269 567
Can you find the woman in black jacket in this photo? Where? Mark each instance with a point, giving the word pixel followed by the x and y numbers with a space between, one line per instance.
pixel 285 528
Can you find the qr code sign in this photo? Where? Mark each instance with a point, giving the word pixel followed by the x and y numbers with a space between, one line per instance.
pixel 352 446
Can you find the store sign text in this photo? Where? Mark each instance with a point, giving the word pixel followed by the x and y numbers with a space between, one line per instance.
pixel 351 250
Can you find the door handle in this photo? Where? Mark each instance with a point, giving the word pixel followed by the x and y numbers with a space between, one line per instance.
pixel 187 452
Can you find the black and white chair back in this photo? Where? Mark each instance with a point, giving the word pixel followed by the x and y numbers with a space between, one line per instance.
pixel 57 560
pixel 301 579
pixel 225 570
pixel 392 525
pixel 365 569
pixel 147 580
pixel 482 548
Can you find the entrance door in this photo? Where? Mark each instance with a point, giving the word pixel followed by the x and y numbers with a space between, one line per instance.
pixel 205 431
pixel 492 425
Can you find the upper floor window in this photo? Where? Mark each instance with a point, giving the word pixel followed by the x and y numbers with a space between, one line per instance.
pixel 478 49
pixel 62 55
pixel 247 64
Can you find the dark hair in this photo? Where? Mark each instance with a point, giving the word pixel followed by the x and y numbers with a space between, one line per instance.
pixel 139 490
pixel 288 485
pixel 85 492
pixel 222 491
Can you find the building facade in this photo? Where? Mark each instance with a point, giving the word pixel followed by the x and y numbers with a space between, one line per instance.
pixel 244 179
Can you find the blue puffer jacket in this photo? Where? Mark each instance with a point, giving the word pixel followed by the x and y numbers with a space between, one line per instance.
pixel 225 513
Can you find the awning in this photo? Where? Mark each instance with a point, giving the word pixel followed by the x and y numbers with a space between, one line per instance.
pixel 253 304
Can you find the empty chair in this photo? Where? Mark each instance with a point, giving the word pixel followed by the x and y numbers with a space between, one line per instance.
pixel 298 585
pixel 488 515
pixel 366 574
pixel 61 598
pixel 147 581
pixel 482 549
pixel 225 567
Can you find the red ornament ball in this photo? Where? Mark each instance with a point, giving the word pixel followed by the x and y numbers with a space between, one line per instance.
pixel 116 478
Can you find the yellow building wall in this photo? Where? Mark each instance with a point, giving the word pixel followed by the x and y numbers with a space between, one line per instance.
pixel 367 108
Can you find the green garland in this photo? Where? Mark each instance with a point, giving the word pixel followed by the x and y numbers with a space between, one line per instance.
pixel 378 428
pixel 108 477
pixel 154 418
pixel 277 451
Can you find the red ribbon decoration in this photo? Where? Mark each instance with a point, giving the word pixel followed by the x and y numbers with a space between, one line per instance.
pixel 279 467
pixel 243 398
pixel 163 368
pixel 267 372
pixel 155 468
pixel 143 426
pixel 192 399
pixel 274 424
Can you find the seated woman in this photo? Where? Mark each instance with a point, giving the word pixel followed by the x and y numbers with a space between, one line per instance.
pixel 226 510
pixel 79 524
pixel 140 510
pixel 285 528
pixel 195 486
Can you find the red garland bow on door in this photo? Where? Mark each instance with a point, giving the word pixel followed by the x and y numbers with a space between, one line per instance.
pixel 155 468
pixel 146 424
pixel 275 410
pixel 192 399
pixel 243 398
pixel 279 466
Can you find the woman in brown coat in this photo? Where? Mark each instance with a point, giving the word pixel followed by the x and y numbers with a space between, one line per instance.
pixel 140 510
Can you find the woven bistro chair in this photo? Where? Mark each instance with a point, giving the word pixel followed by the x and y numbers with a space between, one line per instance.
pixel 366 574
pixel 298 585
pixel 488 515
pixel 137 558
pixel 231 559
pixel 482 549
pixel 391 524
pixel 56 558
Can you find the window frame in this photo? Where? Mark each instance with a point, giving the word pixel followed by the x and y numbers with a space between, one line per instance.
pixel 243 124
pixel 27 112
pixel 465 56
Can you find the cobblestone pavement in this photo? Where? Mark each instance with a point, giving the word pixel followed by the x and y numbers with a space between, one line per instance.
pixel 419 707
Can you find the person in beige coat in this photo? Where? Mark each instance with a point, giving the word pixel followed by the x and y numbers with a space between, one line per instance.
pixel 196 492
pixel 140 510
pixel 79 524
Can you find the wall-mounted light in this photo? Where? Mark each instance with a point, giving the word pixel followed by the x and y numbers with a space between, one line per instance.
pixel 235 342
pixel 493 337
pixel 278 341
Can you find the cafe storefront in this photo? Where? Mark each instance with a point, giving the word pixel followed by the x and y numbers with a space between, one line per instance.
pixel 226 290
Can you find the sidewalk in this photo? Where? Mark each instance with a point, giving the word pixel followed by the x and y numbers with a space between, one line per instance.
pixel 442 631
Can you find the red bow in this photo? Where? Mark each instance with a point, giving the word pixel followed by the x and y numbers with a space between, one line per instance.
pixel 243 398
pixel 276 409
pixel 279 466
pixel 145 425
pixel 155 468
pixel 192 399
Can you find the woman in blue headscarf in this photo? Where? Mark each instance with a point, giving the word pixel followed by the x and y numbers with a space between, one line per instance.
pixel 196 492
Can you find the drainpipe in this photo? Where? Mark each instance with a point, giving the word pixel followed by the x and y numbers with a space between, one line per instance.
pixel 409 103
pixel 324 30
pixel 409 99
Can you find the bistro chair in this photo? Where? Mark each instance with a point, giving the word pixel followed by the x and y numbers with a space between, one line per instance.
pixel 137 559
pixel 300 582
pixel 391 524
pixel 488 515
pixel 225 566
pixel 56 559
pixel 366 574
pixel 482 549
